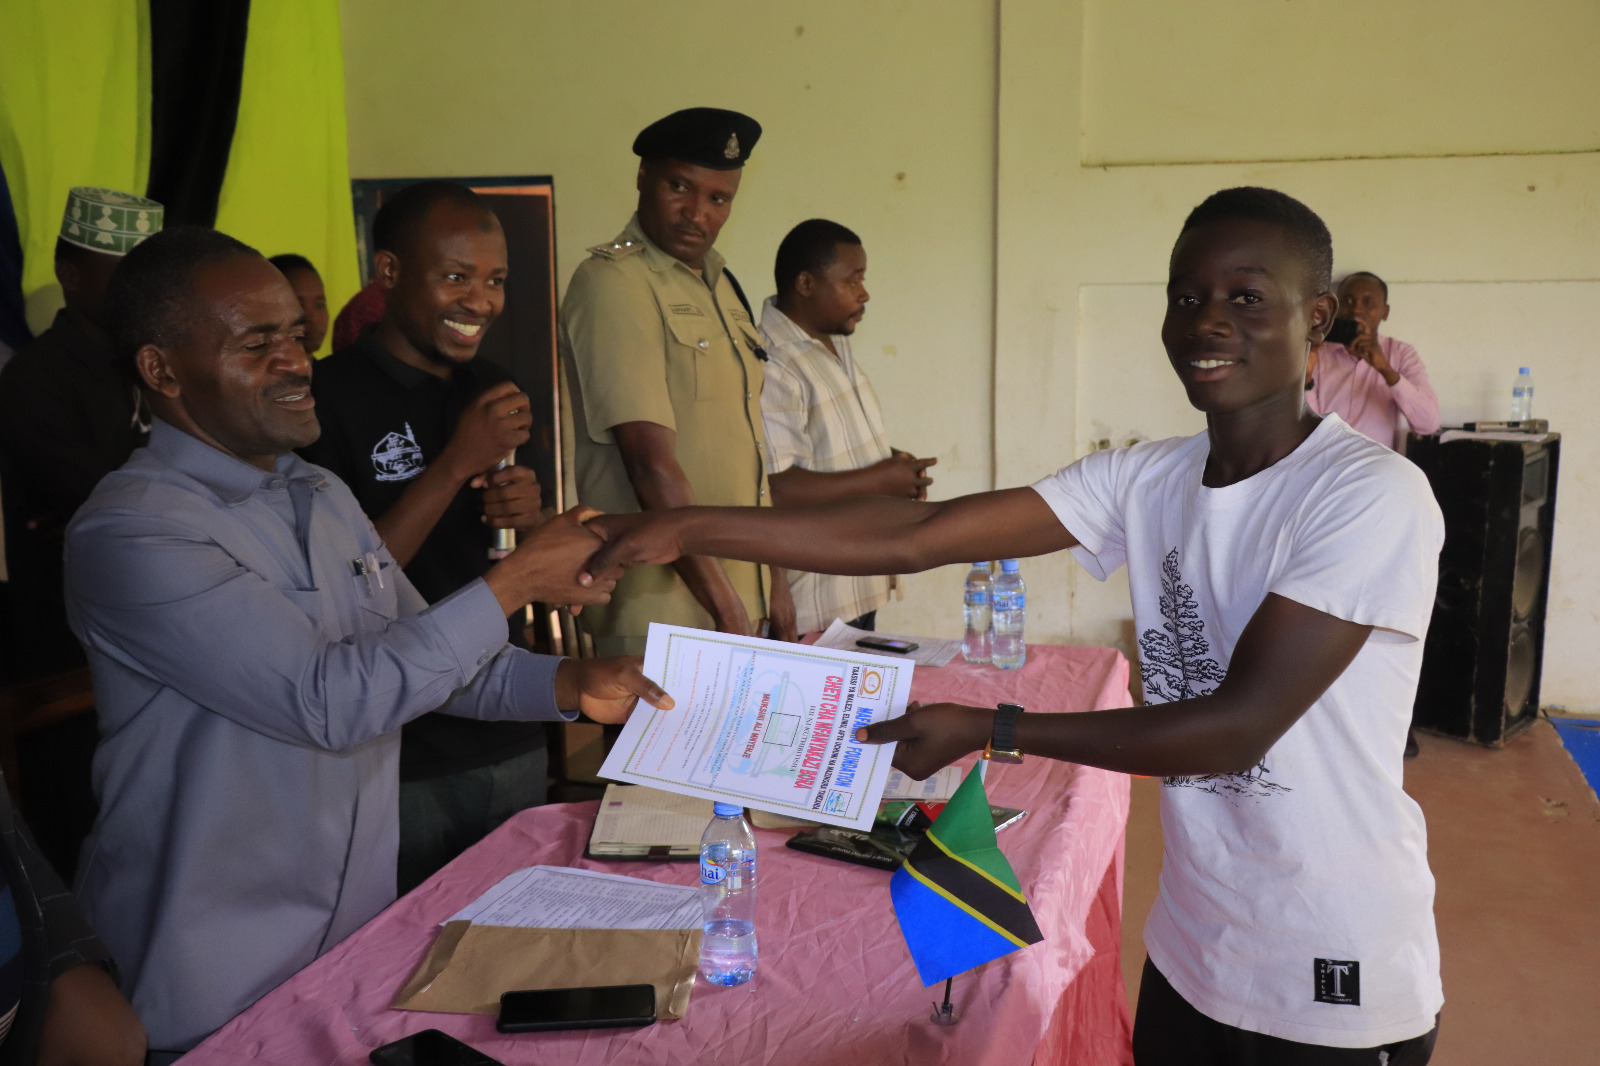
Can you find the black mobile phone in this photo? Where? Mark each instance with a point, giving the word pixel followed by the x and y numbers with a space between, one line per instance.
pixel 430 1047
pixel 1343 330
pixel 601 1007
pixel 899 647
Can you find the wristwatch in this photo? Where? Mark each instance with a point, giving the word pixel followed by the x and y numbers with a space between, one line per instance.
pixel 1002 746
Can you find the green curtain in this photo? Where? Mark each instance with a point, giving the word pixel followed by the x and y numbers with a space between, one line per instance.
pixel 74 110
pixel 287 187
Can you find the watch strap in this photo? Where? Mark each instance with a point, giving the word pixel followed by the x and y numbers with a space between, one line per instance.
pixel 1004 735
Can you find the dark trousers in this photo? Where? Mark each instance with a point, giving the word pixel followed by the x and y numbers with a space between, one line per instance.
pixel 440 817
pixel 1167 1031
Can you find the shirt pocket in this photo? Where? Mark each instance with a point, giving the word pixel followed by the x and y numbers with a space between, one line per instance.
pixel 700 357
pixel 750 338
pixel 377 599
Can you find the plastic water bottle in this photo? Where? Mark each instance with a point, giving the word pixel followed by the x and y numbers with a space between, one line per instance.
pixel 1010 611
pixel 975 605
pixel 1522 396
pixel 728 887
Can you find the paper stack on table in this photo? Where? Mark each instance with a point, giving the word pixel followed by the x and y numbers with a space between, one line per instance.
pixel 561 927
pixel 931 651
pixel 564 897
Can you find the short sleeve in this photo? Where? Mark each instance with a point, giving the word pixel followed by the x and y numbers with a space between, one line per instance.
pixel 1367 549
pixel 1088 499
pixel 619 347
pixel 784 413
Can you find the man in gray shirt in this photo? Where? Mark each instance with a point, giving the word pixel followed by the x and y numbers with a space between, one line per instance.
pixel 255 650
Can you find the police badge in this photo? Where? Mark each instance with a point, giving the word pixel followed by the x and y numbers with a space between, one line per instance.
pixel 732 151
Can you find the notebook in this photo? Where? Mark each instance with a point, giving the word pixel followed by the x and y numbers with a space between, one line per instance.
pixel 636 822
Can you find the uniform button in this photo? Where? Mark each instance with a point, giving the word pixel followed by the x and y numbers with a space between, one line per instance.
pixel 747 395
pixel 763 492
pixel 705 344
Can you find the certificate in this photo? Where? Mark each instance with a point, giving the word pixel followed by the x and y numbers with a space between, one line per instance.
pixel 764 724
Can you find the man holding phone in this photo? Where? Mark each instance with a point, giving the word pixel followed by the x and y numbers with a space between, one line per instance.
pixel 825 435
pixel 1371 382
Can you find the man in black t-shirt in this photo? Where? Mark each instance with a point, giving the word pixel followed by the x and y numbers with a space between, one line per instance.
pixel 415 424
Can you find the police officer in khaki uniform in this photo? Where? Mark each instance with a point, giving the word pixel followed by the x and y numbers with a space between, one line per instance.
pixel 665 368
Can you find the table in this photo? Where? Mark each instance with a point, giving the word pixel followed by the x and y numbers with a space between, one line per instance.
pixel 836 984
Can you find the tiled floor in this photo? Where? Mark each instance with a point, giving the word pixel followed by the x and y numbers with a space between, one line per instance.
pixel 1514 842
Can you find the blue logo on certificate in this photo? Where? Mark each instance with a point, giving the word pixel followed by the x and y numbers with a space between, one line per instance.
pixel 837 802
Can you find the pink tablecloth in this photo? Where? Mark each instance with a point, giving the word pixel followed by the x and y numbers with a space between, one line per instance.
pixel 836 984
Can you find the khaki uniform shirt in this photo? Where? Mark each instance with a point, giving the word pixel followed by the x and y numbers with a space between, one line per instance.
pixel 644 339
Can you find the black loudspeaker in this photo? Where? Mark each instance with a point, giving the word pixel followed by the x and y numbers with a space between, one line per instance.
pixel 1485 648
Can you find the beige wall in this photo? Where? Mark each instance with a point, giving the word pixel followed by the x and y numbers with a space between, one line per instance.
pixel 1019 171
pixel 880 116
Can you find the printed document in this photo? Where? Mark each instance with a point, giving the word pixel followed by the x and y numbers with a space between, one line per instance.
pixel 565 897
pixel 764 724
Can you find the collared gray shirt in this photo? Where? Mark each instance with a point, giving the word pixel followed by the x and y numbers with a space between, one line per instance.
pixel 251 685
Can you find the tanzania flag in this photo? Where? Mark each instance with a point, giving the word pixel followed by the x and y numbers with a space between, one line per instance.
pixel 957 899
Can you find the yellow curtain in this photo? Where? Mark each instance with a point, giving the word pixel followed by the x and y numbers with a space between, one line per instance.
pixel 287 187
pixel 74 110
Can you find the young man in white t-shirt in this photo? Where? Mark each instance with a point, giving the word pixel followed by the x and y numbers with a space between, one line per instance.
pixel 1282 571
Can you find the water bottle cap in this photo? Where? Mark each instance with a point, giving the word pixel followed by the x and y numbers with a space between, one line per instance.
pixel 1525 370
pixel 981 566
pixel 727 810
pixel 1010 566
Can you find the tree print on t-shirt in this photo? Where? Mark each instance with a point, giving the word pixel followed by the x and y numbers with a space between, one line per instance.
pixel 1174 666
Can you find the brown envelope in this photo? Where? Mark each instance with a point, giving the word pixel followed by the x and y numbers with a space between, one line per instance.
pixel 469 966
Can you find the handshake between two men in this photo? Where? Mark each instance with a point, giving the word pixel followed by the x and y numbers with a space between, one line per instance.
pixel 576 558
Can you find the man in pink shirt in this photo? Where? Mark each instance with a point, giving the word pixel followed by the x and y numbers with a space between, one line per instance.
pixel 1374 380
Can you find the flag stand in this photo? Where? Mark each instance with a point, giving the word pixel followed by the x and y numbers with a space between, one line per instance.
pixel 945 1013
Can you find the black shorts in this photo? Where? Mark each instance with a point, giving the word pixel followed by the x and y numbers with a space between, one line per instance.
pixel 1167 1030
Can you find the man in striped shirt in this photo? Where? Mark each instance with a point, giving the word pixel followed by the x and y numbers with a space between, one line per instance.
pixel 824 426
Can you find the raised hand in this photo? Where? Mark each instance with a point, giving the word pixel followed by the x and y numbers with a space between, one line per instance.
pixel 492 426
pixel 510 497
pixel 607 690
pixel 932 736
pixel 1367 349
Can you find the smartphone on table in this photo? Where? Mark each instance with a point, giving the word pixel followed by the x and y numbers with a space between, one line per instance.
pixel 600 1007
pixel 898 647
pixel 430 1047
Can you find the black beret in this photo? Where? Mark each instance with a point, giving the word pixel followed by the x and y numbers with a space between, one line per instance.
pixel 705 136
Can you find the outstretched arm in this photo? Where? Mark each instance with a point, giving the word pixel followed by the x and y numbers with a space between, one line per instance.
pixel 1287 657
pixel 650 458
pixel 870 535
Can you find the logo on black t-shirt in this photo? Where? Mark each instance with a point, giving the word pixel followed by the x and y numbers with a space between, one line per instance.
pixel 397 457
pixel 1337 981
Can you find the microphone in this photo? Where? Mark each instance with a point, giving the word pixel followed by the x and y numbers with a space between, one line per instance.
pixel 505 540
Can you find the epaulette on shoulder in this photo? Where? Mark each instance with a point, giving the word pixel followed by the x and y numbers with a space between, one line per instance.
pixel 620 248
